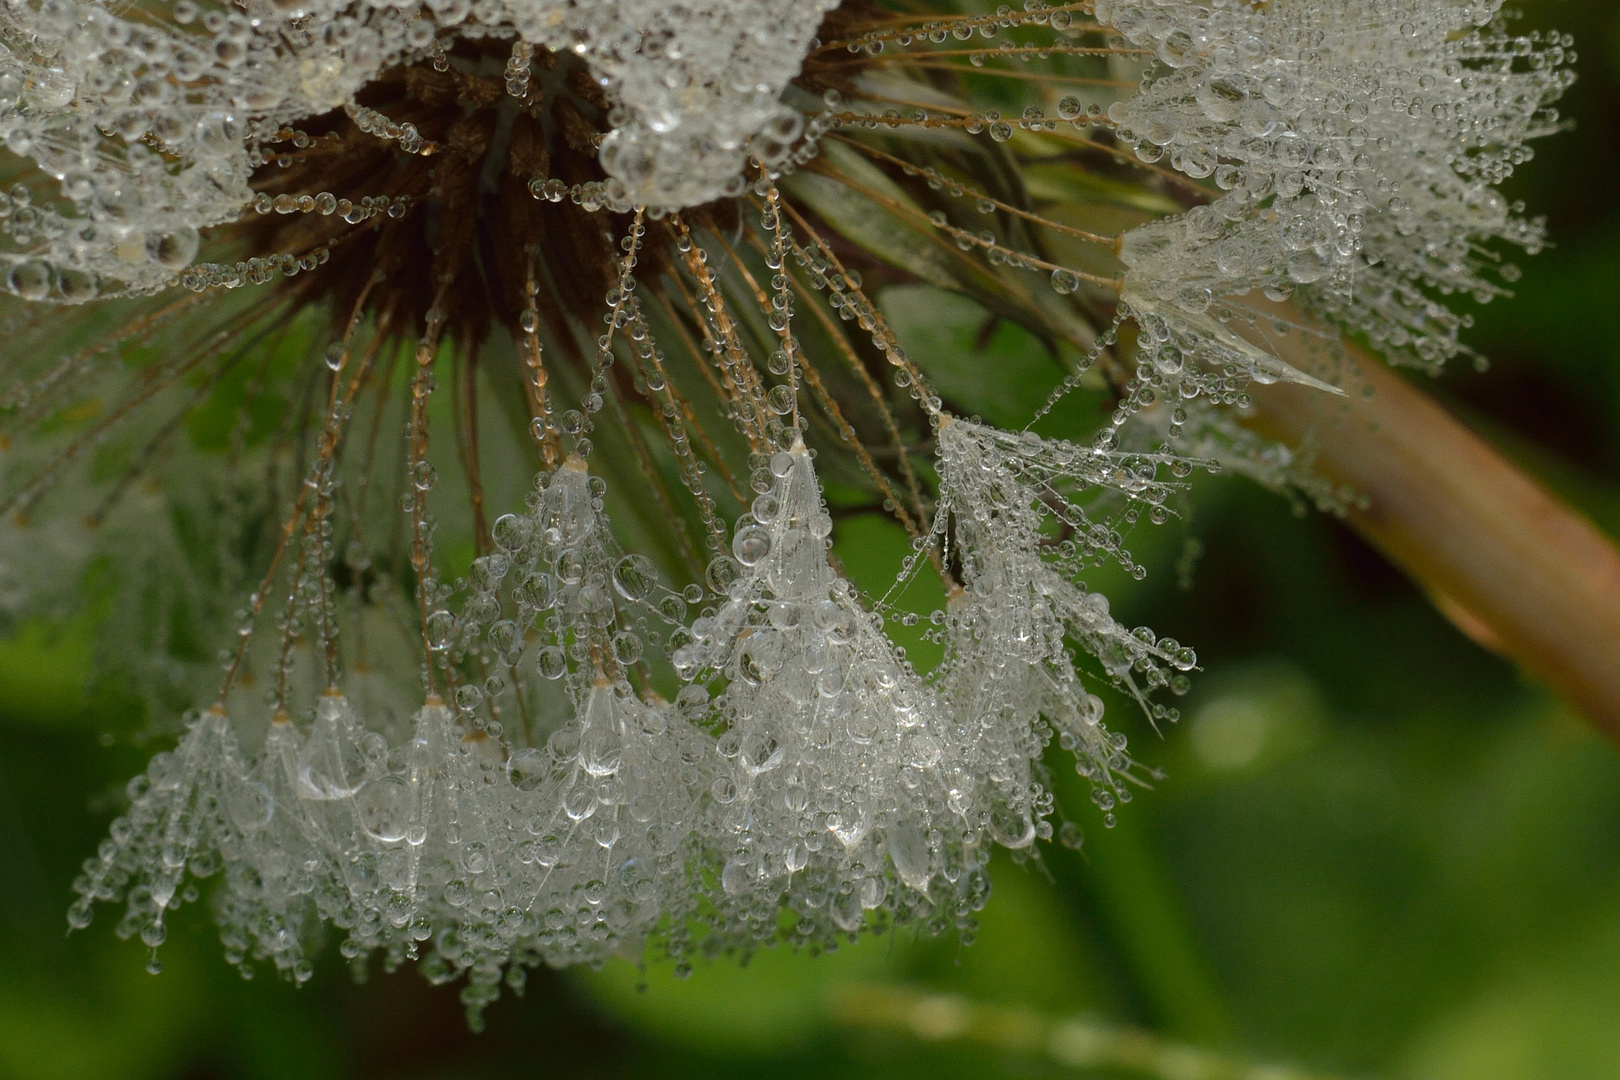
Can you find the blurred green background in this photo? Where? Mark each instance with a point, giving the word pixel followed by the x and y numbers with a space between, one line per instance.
pixel 1379 851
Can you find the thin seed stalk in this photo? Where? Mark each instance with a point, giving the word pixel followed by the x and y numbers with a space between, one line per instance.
pixel 1080 1043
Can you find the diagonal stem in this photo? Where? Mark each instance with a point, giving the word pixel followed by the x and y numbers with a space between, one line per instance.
pixel 1514 567
pixel 1083 1043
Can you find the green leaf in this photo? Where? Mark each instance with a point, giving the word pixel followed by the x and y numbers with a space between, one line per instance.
pixel 854 207
pixel 994 368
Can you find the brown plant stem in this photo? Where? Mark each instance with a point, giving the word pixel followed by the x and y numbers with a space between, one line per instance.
pixel 1515 568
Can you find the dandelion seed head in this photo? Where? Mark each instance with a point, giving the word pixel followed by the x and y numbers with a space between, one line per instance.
pixel 471 385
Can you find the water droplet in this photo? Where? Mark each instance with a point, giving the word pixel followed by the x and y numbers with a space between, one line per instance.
pixel 751 544
pixel 527 768
pixel 635 577
pixel 385 806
